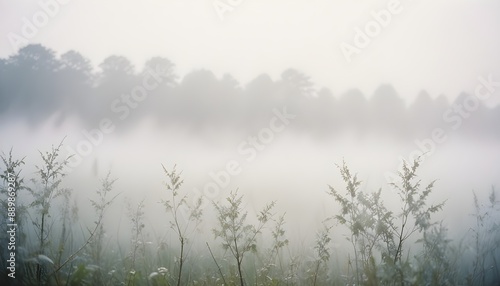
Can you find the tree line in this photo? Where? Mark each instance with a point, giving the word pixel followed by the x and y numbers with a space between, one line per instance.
pixel 37 84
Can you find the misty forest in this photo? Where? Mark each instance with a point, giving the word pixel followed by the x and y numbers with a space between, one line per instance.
pixel 122 175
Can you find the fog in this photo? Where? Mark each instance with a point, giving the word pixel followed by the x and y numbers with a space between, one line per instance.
pixel 294 169
pixel 268 100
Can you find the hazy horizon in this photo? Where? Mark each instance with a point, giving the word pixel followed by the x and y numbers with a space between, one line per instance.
pixel 259 37
pixel 264 98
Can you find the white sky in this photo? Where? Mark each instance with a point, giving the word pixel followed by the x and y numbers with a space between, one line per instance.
pixel 440 46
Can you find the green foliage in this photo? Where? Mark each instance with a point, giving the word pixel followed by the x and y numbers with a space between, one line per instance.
pixel 50 175
pixel 380 237
pixel 96 241
pixel 136 217
pixel 273 269
pixel 354 214
pixel 48 188
pixel 374 227
pixel 486 236
pixel 91 273
pixel 414 205
pixel 81 276
pixel 174 205
pixel 238 236
pixel 321 249
pixel 436 263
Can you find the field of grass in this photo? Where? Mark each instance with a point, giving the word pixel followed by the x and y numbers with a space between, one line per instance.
pixel 402 245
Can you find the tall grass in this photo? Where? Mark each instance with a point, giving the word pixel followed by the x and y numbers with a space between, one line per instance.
pixel 237 235
pixel 389 245
pixel 192 218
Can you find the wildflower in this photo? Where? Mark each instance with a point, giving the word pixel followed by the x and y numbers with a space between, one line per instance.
pixel 43 258
pixel 153 275
pixel 162 270
pixel 40 259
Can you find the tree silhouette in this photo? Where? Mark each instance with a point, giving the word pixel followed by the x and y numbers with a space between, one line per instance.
pixel 116 66
pixel 353 110
pixel 35 57
pixel 163 66
pixel 422 114
pixel 76 79
pixel 196 92
pixel 387 111
pixel 35 85
pixel 298 81
pixel 161 102
pixel 473 114
pixel 325 108
pixel 32 82
pixel 113 88
pixel 258 97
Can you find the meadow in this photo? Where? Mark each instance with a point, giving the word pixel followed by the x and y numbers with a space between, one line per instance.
pixel 382 243
pixel 195 178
